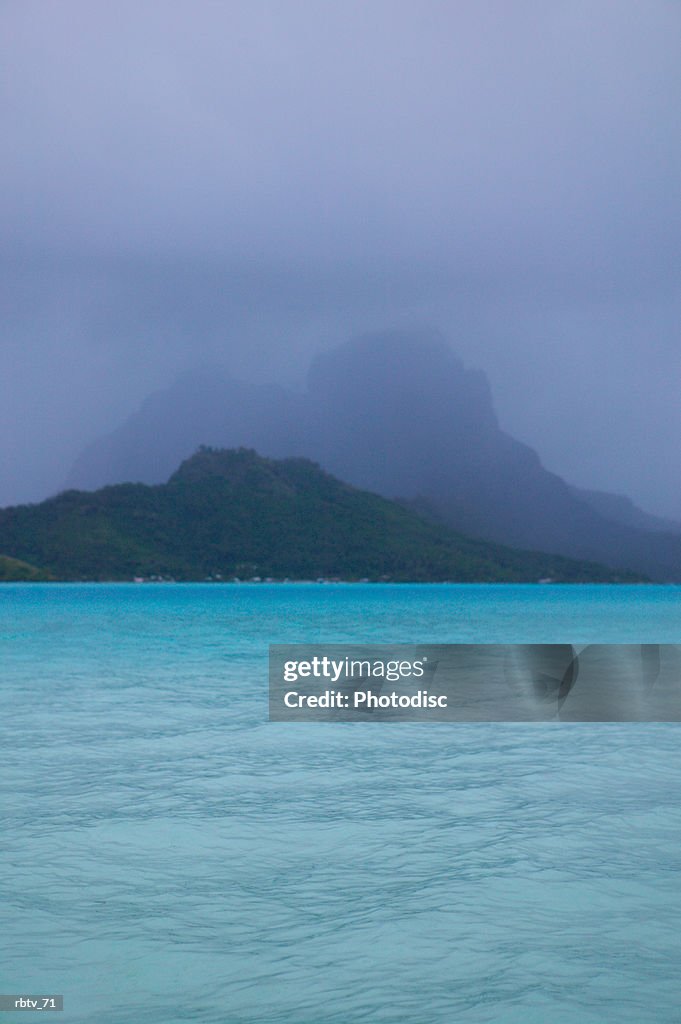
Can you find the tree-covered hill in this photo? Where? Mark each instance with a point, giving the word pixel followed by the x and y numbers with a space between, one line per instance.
pixel 231 513
pixel 14 571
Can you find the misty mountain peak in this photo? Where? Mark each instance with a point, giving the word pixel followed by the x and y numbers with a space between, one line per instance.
pixel 396 413
pixel 417 368
pixel 389 355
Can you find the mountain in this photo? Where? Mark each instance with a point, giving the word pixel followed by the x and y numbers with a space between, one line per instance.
pixel 397 414
pixel 202 407
pixel 233 513
pixel 620 509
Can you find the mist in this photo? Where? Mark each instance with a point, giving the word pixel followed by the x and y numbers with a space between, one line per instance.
pixel 252 183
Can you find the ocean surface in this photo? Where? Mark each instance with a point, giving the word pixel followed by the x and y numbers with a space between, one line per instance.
pixel 169 855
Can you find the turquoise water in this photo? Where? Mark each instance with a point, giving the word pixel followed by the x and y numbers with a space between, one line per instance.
pixel 169 855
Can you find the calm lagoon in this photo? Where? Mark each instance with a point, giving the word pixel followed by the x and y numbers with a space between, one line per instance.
pixel 169 855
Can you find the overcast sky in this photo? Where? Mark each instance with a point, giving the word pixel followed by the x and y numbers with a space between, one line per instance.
pixel 252 181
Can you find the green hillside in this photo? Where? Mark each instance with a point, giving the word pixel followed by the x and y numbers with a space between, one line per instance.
pixel 14 571
pixel 231 513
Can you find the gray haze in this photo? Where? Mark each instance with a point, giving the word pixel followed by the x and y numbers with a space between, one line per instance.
pixel 254 181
